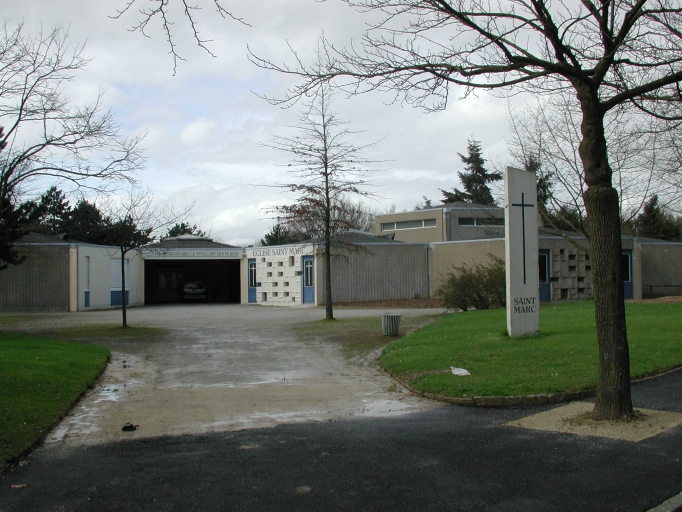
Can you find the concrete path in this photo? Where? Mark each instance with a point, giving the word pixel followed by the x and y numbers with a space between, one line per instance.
pixel 223 368
pixel 441 458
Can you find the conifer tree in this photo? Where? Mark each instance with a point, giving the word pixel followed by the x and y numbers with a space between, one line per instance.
pixel 475 181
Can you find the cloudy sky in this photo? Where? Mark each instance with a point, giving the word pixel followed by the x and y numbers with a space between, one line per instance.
pixel 204 123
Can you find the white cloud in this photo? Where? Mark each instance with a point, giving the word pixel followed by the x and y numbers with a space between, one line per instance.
pixel 204 124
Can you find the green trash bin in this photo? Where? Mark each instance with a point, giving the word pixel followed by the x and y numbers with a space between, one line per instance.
pixel 390 324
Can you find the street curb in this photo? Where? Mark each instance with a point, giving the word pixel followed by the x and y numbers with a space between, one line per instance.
pixel 671 505
pixel 518 400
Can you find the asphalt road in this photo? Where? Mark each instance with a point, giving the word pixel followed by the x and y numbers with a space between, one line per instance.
pixel 448 458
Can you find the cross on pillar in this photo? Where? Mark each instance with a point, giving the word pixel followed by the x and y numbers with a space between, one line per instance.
pixel 523 207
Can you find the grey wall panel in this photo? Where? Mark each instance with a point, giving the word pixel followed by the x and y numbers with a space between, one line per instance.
pixel 40 283
pixel 661 269
pixel 379 272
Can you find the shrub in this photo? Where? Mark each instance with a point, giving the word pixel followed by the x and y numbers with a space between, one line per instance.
pixel 479 286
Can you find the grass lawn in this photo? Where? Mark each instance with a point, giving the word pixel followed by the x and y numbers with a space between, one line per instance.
pixel 563 357
pixel 40 379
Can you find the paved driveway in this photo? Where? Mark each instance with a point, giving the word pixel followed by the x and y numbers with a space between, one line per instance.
pixel 366 458
pixel 224 368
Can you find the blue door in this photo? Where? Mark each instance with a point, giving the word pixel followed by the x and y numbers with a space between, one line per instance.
pixel 626 269
pixel 308 280
pixel 544 263
pixel 252 281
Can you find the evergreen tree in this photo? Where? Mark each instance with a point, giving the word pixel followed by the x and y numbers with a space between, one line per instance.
pixel 12 228
pixel 655 222
pixel 49 215
pixel 86 224
pixel 12 221
pixel 279 234
pixel 184 228
pixel 475 181
pixel 543 179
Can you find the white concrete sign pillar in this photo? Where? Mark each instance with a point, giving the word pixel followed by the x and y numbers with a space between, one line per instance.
pixel 521 252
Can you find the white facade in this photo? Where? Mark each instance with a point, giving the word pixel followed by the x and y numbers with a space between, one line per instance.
pixel 99 277
pixel 278 274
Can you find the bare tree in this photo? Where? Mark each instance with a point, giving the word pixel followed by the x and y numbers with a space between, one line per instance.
pixel 45 134
pixel 135 221
pixel 644 161
pixel 607 53
pixel 328 168
pixel 346 215
pixel 160 10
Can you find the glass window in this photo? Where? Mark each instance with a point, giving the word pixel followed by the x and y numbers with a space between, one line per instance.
pixel 388 226
pixel 429 223
pixel 466 221
pixel 409 224
pixel 490 221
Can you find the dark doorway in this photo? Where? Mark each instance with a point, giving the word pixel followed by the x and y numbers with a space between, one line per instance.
pixel 545 281
pixel 164 280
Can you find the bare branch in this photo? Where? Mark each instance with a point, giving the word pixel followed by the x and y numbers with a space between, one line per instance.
pixel 160 11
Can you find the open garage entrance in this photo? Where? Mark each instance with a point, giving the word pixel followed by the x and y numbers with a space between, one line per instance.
pixel 164 280
pixel 174 262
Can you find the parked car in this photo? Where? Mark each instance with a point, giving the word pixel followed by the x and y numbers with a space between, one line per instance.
pixel 194 291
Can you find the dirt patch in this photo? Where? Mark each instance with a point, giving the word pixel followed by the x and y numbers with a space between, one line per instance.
pixel 668 298
pixel 574 419
pixel 394 304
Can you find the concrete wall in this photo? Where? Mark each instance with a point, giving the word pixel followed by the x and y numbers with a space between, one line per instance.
pixel 377 272
pixel 40 283
pixel 415 235
pixel 102 280
pixel 485 219
pixel 661 265
pixel 465 253
pixel 570 270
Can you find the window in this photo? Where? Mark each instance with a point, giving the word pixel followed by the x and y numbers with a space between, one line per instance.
pixel 268 274
pixel 87 273
pixel 482 221
pixel 408 224
pixel 291 261
pixel 269 263
pixel 280 274
pixel 308 273
pixel 116 273
pixel 286 283
pixel 264 296
pixel 252 274
pixel 280 263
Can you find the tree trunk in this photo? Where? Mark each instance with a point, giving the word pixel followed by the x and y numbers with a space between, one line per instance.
pixel 603 214
pixel 329 311
pixel 123 290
